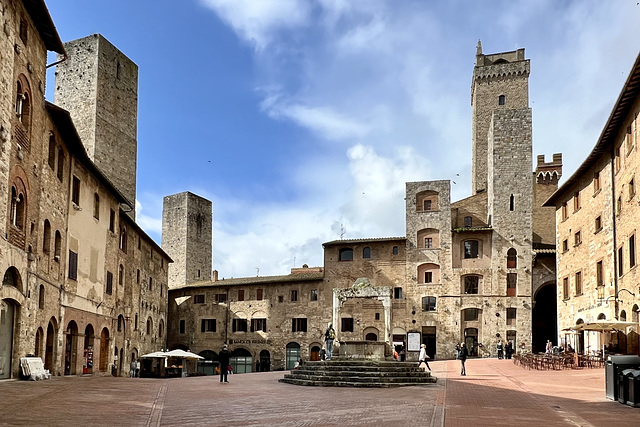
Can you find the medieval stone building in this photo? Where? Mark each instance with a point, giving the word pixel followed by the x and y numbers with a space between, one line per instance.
pixel 84 287
pixel 597 216
pixel 478 270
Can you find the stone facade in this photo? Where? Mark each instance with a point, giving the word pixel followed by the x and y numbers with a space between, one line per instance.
pixel 597 215
pixel 464 271
pixel 98 85
pixel 83 286
pixel 186 230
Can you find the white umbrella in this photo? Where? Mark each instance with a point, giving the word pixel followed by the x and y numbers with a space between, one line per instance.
pixel 183 354
pixel 155 355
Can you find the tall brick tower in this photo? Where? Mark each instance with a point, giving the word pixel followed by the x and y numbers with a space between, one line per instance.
pixel 98 85
pixel 500 81
pixel 186 237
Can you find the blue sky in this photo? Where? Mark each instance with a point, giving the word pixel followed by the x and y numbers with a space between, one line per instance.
pixel 295 117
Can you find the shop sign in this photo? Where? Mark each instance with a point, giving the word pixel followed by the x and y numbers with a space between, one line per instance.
pixel 268 342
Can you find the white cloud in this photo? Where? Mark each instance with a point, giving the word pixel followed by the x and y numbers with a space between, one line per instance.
pixel 150 224
pixel 259 21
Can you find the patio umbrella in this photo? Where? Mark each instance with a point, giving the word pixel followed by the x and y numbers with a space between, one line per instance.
pixel 183 354
pixel 155 355
pixel 604 326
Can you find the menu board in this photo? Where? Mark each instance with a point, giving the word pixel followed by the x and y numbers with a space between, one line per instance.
pixel 413 341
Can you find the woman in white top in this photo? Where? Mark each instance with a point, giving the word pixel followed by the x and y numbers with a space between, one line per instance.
pixel 422 358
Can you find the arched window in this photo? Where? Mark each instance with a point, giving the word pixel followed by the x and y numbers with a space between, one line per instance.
pixel 512 258
pixel 292 354
pixel 121 275
pixel 41 297
pixel 428 273
pixel 427 201
pixel 161 329
pixel 17 214
pixel 46 237
pixel 602 316
pixel 428 238
pixel 502 100
pixel 623 316
pixel 96 206
pixel 23 103
pixel 371 337
pixel 346 254
pixel 120 323
pixel 366 252
pixel 57 246
pixel 149 326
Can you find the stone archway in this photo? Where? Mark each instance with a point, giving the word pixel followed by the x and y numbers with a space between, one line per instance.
pixel 544 317
pixel 362 288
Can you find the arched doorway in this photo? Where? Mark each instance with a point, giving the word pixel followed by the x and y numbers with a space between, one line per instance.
pixel 580 343
pixel 71 348
pixel 292 355
pixel 241 361
pixel 50 347
pixel 7 312
pixel 265 361
pixel 207 366
pixel 104 350
pixel 471 340
pixel 544 317
pixel 314 353
pixel 87 367
pixel 39 340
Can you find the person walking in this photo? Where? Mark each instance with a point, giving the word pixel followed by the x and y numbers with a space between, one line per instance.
pixel 508 350
pixel 132 369
pixel 422 357
pixel 224 357
pixel 329 336
pixel 500 349
pixel 462 357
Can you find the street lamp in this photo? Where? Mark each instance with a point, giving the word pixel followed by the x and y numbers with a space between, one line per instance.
pixel 617 300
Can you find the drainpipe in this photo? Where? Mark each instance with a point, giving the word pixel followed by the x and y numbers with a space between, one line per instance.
pixel 64 58
pixel 615 242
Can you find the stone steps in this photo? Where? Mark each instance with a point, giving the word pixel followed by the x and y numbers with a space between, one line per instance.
pixel 358 373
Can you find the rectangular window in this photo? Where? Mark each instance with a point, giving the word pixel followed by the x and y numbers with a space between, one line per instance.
pixel 565 288
pixel 221 298
pixel 280 298
pixel 598 224
pixel 599 274
pixel 471 249
pixel 294 295
pixel 632 251
pixel 182 326
pixel 427 205
pixel 394 250
pixel 471 284
pixel 112 220
pixel 468 221
pixel 428 277
pixel 632 189
pixel 619 206
pixel 138 276
pixel 73 265
pixel 208 325
pixel 564 211
pixel 512 282
pixel 239 325
pixel 259 294
pixel 576 201
pixel 258 325
pixel 299 324
pixel 428 303
pixel 377 316
pixel 240 294
pixel 75 191
pixel 578 283
pixel 470 315
pixel 314 295
pixel 596 182
pixel 60 164
pixel 397 293
pixel 346 324
pixel 198 299
pixel 109 289
pixel 618 159
pixel 577 238
pixel 428 242
pixel 620 261
pixel 565 245
pixel 511 316
pixel 52 151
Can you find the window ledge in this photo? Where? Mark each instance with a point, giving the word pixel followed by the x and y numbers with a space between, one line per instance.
pixel 598 230
pixel 76 207
pixel 595 193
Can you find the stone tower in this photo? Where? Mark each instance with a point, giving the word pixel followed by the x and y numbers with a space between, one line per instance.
pixel 98 85
pixel 186 237
pixel 500 81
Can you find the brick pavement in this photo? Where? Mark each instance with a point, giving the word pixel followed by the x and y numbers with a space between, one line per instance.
pixel 495 392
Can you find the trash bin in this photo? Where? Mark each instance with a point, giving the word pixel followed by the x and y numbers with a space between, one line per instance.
pixel 613 367
pixel 633 396
pixel 623 385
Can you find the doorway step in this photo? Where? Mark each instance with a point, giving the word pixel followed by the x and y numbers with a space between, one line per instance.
pixel 359 373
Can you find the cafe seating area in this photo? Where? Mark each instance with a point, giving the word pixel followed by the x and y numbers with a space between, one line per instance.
pixel 550 361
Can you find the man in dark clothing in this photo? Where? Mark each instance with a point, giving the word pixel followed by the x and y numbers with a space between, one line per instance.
pixel 224 357
pixel 462 357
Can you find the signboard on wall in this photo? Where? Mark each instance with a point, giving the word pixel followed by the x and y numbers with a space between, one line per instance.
pixel 413 341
